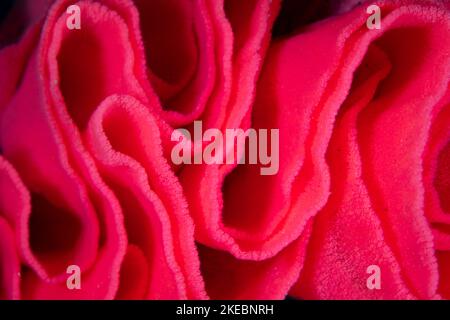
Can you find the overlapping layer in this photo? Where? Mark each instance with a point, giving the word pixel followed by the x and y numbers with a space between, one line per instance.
pixel 363 115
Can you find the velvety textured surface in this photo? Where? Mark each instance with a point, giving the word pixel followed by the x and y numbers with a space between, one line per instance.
pixel 86 177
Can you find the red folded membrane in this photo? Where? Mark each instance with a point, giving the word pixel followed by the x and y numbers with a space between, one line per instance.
pixel 125 139
pixel 227 277
pixel 9 263
pixel 75 218
pixel 203 57
pixel 239 33
pixel 382 88
pixel 139 203
pixel 13 62
pixel 436 180
pixel 203 183
pixel 14 204
pixel 363 170
pixel 237 245
pixel 180 51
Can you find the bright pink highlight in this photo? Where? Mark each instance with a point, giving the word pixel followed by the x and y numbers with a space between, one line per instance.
pixel 86 176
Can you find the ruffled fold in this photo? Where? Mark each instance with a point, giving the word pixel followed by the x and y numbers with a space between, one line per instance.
pixel 14 205
pixel 375 213
pixel 124 138
pixel 86 176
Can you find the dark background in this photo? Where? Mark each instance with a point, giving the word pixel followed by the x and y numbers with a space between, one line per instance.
pixel 5 6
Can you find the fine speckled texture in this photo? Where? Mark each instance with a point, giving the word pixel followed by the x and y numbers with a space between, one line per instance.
pixel 86 176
